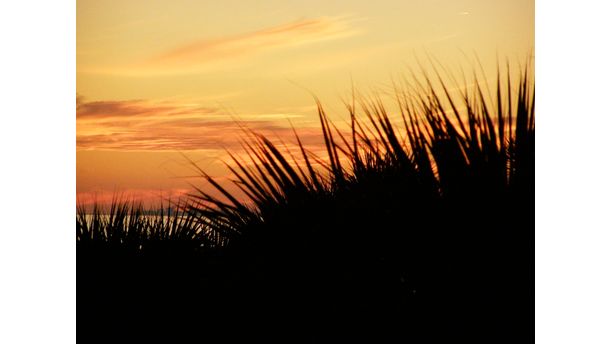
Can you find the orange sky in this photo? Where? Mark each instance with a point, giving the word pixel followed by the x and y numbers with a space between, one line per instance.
pixel 159 78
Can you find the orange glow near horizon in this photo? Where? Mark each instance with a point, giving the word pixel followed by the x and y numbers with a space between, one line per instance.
pixel 159 78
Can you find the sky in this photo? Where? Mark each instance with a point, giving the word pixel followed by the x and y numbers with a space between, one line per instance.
pixel 160 83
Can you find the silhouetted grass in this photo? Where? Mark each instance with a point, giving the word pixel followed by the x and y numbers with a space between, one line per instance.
pixel 418 228
pixel 127 226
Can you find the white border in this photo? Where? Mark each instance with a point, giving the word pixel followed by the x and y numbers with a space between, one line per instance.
pixel 37 138
pixel 573 172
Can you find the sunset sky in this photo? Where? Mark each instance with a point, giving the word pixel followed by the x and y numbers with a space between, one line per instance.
pixel 159 78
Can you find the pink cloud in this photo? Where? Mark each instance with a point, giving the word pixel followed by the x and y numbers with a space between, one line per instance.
pixel 147 125
pixel 286 35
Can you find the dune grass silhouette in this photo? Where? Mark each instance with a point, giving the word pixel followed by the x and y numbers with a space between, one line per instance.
pixel 417 230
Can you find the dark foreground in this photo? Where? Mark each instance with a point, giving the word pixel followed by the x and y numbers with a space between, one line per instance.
pixel 443 282
pixel 426 237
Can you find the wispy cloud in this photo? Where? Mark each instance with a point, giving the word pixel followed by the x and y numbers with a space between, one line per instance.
pixel 132 108
pixel 149 198
pixel 201 53
pixel 149 125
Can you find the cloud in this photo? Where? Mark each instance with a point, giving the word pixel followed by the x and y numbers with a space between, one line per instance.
pixel 201 53
pixel 149 125
pixel 132 108
pixel 149 198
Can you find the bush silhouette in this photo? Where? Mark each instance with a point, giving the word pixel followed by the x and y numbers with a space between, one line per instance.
pixel 414 230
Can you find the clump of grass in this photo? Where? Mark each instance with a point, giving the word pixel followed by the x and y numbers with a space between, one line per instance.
pixel 128 227
pixel 400 223
pixel 409 229
pixel 132 265
pixel 448 147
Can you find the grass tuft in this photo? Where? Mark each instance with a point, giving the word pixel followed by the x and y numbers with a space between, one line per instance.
pixel 418 224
